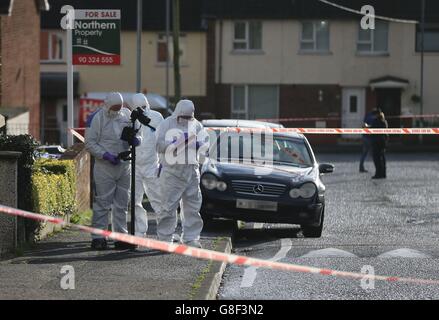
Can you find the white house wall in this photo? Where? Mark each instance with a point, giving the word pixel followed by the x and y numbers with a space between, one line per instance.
pixel 281 62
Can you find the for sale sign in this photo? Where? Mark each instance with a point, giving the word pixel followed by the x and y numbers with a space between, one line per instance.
pixel 96 37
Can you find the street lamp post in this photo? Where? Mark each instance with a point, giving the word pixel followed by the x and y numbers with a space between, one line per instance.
pixel 168 11
pixel 139 47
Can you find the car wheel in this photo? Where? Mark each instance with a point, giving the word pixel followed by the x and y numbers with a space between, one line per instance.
pixel 310 231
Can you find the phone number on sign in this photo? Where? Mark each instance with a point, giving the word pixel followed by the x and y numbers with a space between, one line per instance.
pixel 96 60
pixel 93 59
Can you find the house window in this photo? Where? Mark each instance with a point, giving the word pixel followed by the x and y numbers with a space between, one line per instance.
pixel 247 35
pixel 52 47
pixel 315 36
pixel 353 104
pixel 373 41
pixel 255 101
pixel 162 50
pixel 431 38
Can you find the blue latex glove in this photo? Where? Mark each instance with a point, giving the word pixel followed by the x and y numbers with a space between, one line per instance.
pixel 136 142
pixel 111 158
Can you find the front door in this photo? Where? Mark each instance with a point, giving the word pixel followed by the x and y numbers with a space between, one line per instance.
pixel 353 108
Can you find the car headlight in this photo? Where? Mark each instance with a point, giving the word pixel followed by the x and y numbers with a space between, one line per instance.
pixel 307 190
pixel 209 181
pixel 294 193
pixel 221 186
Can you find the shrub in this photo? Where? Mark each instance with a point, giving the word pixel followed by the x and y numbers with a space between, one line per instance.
pixel 54 187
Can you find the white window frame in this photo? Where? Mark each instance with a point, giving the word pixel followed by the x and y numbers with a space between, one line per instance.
pixel 246 95
pixel 246 40
pixel 371 42
pixel 233 111
pixel 314 37
pixel 51 59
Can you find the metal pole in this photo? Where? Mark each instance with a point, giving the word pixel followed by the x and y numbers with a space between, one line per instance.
pixel 139 46
pixel 133 186
pixel 168 18
pixel 176 40
pixel 421 138
pixel 69 88
pixel 422 55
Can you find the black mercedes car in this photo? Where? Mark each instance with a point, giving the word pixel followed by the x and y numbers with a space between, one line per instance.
pixel 241 183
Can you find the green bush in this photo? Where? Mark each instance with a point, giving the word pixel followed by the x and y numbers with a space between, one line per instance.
pixel 54 187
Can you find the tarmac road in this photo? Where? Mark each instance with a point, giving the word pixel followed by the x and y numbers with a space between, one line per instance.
pixel 390 225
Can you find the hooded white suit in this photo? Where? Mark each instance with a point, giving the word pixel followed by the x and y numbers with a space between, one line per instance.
pixel 147 163
pixel 180 176
pixel 111 181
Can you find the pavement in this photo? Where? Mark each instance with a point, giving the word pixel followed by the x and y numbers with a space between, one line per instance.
pixel 143 274
pixel 390 227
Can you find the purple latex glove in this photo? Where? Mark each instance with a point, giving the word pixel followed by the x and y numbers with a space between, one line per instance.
pixel 111 158
pixel 136 142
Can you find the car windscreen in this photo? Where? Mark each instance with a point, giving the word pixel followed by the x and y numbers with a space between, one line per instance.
pixel 261 147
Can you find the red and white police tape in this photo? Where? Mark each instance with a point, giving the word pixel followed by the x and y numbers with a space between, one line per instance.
pixel 77 134
pixel 334 130
pixel 408 116
pixel 205 254
pixel 367 131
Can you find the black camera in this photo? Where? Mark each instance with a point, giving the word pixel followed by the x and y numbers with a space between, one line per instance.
pixel 138 114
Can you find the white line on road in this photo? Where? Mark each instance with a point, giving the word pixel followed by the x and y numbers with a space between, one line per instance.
pixel 329 253
pixel 250 273
pixel 404 253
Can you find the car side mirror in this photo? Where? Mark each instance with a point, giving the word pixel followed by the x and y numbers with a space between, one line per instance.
pixel 326 168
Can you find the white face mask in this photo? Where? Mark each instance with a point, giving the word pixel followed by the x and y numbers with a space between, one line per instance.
pixel 113 113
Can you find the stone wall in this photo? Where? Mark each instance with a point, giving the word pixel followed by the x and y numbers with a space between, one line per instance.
pixel 8 197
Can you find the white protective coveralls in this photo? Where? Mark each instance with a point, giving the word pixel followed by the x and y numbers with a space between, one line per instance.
pixel 111 181
pixel 180 175
pixel 147 163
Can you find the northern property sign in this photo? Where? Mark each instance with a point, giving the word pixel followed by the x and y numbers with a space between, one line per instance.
pixel 96 37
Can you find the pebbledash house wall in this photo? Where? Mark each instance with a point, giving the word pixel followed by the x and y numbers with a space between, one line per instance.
pixel 20 60
pixel 122 77
pixel 300 76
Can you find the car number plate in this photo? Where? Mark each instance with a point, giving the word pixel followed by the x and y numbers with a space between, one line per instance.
pixel 256 205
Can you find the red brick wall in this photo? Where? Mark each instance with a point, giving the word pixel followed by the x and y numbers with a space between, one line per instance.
pixel 300 101
pixel 44 45
pixel 82 160
pixel 20 50
pixel 303 101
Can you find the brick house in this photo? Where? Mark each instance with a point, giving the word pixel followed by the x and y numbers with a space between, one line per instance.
pixel 20 63
pixel 302 58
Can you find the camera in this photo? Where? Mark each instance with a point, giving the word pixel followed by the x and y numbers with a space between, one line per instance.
pixel 138 114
